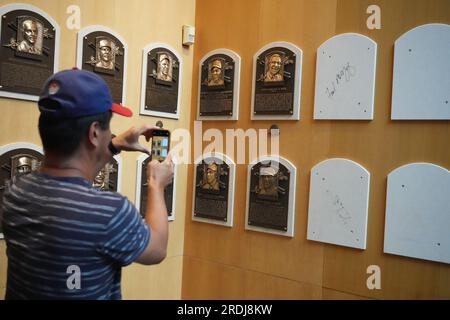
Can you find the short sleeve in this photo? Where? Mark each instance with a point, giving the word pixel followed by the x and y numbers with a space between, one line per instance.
pixel 126 235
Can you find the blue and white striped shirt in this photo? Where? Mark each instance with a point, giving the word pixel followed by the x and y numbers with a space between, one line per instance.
pixel 57 226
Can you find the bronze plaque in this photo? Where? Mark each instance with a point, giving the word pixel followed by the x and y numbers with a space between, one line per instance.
pixel 162 85
pixel 15 163
pixel 275 78
pixel 217 86
pixel 104 54
pixel 211 190
pixel 269 196
pixel 168 191
pixel 27 52
pixel 108 177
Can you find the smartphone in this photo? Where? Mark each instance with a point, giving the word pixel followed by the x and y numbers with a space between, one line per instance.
pixel 160 144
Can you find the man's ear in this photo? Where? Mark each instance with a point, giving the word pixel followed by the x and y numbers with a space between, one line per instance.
pixel 94 134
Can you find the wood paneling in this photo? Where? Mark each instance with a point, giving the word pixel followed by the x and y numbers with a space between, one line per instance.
pixel 328 294
pixel 203 279
pixel 3 263
pixel 139 23
pixel 380 146
pixel 251 25
pixel 388 145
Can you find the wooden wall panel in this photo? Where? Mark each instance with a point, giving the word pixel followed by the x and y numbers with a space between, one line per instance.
pixel 379 145
pixel 249 26
pixel 390 144
pixel 3 268
pixel 211 280
pixel 328 294
pixel 139 22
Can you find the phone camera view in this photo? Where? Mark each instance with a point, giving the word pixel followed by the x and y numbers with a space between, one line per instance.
pixel 160 148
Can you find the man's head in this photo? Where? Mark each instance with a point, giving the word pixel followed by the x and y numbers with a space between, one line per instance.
pixel 164 63
pixel 216 69
pixel 268 176
pixel 24 165
pixel 274 63
pixel 99 180
pixel 30 31
pixel 76 108
pixel 212 171
pixel 105 47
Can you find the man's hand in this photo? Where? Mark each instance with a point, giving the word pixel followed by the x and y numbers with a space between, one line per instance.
pixel 129 140
pixel 160 174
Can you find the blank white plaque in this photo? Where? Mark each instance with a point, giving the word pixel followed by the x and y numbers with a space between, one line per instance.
pixel 345 78
pixel 339 203
pixel 418 212
pixel 421 85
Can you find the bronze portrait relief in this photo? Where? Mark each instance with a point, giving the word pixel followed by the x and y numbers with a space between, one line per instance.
pixel 105 53
pixel 215 72
pixel 29 47
pixel 269 196
pixel 164 70
pixel 107 178
pixel 29 35
pixel 274 67
pixel 211 189
pixel 217 86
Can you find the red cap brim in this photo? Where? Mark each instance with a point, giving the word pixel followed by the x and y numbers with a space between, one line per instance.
pixel 123 111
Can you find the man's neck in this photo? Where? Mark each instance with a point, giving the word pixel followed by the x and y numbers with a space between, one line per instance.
pixel 73 167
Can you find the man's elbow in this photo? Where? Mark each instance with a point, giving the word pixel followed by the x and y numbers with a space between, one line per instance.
pixel 160 256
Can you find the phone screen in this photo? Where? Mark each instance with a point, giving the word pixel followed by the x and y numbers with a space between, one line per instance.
pixel 160 145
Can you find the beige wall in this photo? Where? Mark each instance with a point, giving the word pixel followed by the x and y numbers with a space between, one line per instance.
pixel 233 263
pixel 139 23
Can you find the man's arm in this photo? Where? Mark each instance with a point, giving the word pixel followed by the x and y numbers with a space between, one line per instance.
pixel 159 175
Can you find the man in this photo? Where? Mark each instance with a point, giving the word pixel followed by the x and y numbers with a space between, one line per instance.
pixel 211 177
pixel 105 54
pixel 24 165
pixel 30 35
pixel 268 183
pixel 164 66
pixel 65 239
pixel 274 69
pixel 216 78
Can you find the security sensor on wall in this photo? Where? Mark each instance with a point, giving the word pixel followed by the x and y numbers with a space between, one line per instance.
pixel 188 35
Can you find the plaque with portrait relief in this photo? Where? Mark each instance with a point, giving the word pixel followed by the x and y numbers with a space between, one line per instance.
pixel 161 81
pixel 219 86
pixel 271 196
pixel 142 189
pixel 29 49
pixel 214 189
pixel 108 178
pixel 103 51
pixel 277 82
pixel 17 159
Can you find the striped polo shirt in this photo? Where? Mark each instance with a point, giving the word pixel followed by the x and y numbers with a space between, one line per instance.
pixel 67 240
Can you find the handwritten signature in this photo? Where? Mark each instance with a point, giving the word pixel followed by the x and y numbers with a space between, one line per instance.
pixel 346 73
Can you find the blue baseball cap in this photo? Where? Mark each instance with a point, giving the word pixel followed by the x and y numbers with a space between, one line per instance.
pixel 77 93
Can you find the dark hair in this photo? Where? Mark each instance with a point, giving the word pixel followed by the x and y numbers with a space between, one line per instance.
pixel 64 136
